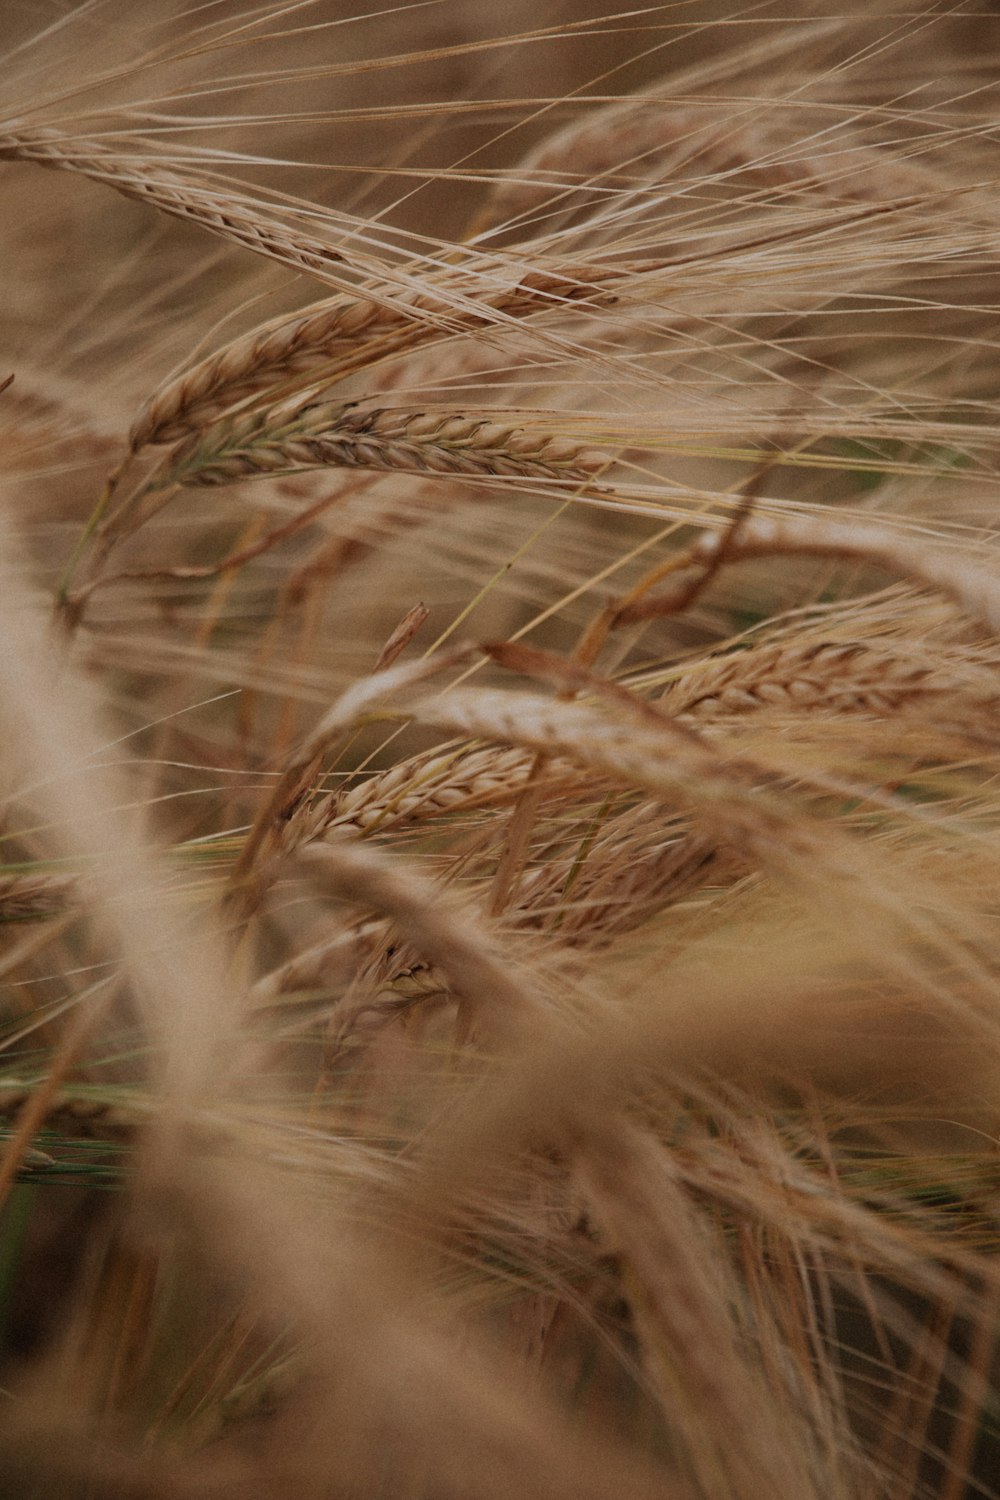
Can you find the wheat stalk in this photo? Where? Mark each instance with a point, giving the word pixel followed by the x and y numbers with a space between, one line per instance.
pixel 974 588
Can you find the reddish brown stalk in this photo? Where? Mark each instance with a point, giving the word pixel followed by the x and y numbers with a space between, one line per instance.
pixel 974 588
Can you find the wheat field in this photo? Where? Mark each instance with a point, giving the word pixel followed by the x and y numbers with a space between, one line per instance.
pixel 500 876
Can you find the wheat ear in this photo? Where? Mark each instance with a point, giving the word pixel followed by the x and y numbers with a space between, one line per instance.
pixel 730 798
pixel 841 676
pixel 641 862
pixel 446 935
pixel 328 435
pixel 140 175
pixel 312 341
pixel 428 786
pixel 372 437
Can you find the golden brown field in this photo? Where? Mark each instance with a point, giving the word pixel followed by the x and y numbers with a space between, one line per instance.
pixel 500 880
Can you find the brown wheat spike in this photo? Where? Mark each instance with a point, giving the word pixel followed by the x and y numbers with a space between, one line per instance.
pixel 431 785
pixel 841 676
pixel 821 676
pixel 135 171
pixel 351 435
pixel 311 341
pixel 638 865
pixel 446 935
pixel 645 750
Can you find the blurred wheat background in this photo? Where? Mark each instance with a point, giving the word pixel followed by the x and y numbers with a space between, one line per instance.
pixel 500 865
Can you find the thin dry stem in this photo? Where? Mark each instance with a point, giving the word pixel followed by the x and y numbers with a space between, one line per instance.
pixel 974 588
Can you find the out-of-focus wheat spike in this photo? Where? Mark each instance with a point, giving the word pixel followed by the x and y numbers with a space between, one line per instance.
pixel 682 1312
pixel 335 960
pixel 40 412
pixel 640 142
pixel 26 895
pixel 446 935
